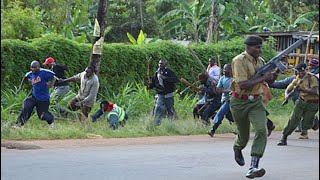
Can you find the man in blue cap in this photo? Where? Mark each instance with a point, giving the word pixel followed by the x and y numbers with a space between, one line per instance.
pixel 306 106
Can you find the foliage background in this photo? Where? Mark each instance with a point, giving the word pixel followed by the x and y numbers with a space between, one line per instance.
pixel 120 63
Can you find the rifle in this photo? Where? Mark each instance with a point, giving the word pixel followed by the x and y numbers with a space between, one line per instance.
pixel 275 61
pixel 293 91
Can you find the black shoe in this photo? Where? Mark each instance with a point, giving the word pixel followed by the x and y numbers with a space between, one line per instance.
pixel 255 172
pixel 211 132
pixel 238 157
pixel 270 130
pixel 315 123
pixel 297 130
pixel 283 142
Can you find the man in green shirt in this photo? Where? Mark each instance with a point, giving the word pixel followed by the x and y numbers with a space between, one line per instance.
pixel 246 104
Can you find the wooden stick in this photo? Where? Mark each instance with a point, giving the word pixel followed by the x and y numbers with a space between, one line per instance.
pixel 148 69
pixel 308 43
pixel 219 64
pixel 193 86
pixel 196 57
pixel 313 56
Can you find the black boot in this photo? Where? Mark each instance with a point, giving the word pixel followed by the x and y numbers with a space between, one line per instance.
pixel 213 129
pixel 283 141
pixel 211 132
pixel 254 170
pixel 315 123
pixel 238 157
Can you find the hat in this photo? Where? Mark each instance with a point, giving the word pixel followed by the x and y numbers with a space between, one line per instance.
pixel 300 67
pixel 314 62
pixel 253 40
pixel 48 61
pixel 104 102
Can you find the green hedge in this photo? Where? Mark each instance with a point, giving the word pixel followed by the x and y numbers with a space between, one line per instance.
pixel 120 63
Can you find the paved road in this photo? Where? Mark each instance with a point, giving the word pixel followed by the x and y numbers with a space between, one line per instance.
pixel 158 158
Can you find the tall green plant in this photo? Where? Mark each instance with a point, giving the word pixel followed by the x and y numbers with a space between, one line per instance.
pixel 189 21
pixel 140 40
pixel 20 23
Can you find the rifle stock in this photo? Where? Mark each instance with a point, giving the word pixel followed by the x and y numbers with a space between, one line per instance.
pixel 275 61
pixel 293 90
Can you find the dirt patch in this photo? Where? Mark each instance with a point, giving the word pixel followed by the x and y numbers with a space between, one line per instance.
pixel 82 143
pixel 19 146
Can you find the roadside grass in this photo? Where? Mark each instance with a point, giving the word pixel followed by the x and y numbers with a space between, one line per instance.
pixel 137 101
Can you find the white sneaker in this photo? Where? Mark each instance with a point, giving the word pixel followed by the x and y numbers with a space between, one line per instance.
pixel 16 126
pixel 51 126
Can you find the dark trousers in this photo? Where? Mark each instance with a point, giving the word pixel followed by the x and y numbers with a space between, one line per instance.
pixel 85 110
pixel 209 110
pixel 42 110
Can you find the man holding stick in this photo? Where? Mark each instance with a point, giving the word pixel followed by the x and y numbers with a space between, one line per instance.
pixel 163 81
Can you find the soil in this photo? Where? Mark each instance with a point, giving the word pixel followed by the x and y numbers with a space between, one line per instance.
pixel 77 143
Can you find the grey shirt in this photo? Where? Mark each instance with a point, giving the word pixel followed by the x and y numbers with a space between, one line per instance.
pixel 88 89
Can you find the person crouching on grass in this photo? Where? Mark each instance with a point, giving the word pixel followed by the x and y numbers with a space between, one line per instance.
pixel 115 114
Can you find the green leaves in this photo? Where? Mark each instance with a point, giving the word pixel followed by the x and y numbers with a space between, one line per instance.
pixel 141 40
pixel 131 38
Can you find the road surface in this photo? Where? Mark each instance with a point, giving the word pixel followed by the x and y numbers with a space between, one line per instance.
pixel 156 158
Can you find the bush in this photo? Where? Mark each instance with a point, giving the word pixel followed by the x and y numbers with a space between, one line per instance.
pixel 120 63
pixel 20 23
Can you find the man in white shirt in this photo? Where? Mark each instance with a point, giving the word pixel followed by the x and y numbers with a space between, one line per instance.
pixel 213 70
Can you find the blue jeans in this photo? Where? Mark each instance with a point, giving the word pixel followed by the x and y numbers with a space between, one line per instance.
pixel 223 111
pixel 59 92
pixel 164 106
pixel 96 115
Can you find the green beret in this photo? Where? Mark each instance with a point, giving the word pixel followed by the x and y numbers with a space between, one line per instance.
pixel 253 40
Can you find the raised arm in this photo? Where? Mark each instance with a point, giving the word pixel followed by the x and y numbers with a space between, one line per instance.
pixel 23 81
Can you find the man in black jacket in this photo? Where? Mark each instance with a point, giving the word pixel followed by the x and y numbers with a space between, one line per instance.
pixel 60 89
pixel 163 81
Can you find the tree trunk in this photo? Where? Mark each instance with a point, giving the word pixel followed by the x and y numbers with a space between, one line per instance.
pixel 213 23
pixel 101 16
pixel 141 15
pixel 210 25
pixel 67 16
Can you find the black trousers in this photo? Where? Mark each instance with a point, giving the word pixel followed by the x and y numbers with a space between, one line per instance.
pixel 42 110
pixel 209 110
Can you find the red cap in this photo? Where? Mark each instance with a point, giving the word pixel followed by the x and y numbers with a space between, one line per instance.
pixel 48 61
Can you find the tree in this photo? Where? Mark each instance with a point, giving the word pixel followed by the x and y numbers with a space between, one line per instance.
pixel 20 23
pixel 213 22
pixel 99 37
pixel 189 21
